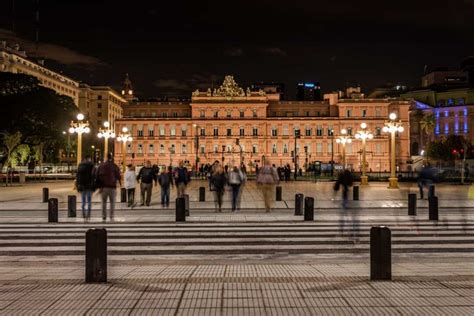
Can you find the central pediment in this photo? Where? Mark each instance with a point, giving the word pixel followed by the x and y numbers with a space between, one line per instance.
pixel 228 91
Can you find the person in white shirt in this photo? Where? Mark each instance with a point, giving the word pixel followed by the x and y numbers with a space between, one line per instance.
pixel 130 183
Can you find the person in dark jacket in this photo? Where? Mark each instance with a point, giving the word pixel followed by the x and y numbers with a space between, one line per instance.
pixel 85 184
pixel 108 174
pixel 165 179
pixel 146 177
pixel 425 178
pixel 345 179
pixel 218 181
pixel 181 178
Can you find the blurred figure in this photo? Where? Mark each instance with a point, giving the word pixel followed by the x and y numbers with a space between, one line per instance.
pixel 425 177
pixel 267 178
pixel 181 179
pixel 85 185
pixel 130 184
pixel 146 177
pixel 165 179
pixel 218 182
pixel 108 174
pixel 236 178
pixel 345 180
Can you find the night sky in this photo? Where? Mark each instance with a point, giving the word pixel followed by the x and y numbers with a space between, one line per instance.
pixel 174 47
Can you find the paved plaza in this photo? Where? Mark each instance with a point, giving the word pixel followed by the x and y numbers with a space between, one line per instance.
pixel 245 263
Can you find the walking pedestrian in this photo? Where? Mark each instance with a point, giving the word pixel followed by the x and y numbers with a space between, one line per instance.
pixel 218 182
pixel 146 177
pixel 345 179
pixel 85 185
pixel 165 179
pixel 108 174
pixel 236 178
pixel 425 178
pixel 181 179
pixel 267 178
pixel 130 184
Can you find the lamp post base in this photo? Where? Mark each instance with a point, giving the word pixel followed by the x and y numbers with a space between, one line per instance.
pixel 364 180
pixel 393 183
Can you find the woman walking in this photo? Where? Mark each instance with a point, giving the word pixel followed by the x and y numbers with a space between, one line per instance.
pixel 130 184
pixel 236 178
pixel 267 178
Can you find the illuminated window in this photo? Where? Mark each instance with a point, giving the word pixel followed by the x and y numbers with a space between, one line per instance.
pixel 216 131
pixel 203 132
pixel 255 131
pixel 274 131
pixel 229 132
pixel 319 130
pixel 274 149
pixel 242 131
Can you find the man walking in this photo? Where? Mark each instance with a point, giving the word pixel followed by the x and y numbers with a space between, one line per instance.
pixel 85 184
pixel 181 179
pixel 108 174
pixel 267 178
pixel 165 179
pixel 146 177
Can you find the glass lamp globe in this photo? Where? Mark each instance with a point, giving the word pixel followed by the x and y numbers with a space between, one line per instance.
pixel 124 129
pixel 343 131
pixel 71 130
pixel 392 116
pixel 106 124
pixel 80 116
pixel 100 135
pixel 363 125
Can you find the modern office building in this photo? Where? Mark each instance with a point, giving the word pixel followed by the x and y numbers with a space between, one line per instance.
pixel 308 91
pixel 235 126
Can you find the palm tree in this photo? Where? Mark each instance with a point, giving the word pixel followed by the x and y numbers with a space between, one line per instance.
pixel 428 123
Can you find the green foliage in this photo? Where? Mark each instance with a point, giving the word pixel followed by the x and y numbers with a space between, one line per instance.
pixel 449 148
pixel 428 123
pixel 38 113
pixel 10 143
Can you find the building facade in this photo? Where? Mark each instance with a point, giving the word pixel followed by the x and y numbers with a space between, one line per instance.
pixel 13 60
pixel 100 104
pixel 237 126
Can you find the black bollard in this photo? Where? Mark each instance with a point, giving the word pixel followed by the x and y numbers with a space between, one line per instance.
pixel 299 204
pixel 180 209
pixel 309 209
pixel 202 194
pixel 45 195
pixel 412 204
pixel 71 205
pixel 380 253
pixel 431 190
pixel 278 193
pixel 96 255
pixel 123 195
pixel 52 210
pixel 433 208
pixel 186 203
pixel 355 193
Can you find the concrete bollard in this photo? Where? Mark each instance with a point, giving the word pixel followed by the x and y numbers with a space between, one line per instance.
pixel 299 204
pixel 186 203
pixel 52 210
pixel 309 209
pixel 431 190
pixel 380 253
pixel 180 209
pixel 71 205
pixel 355 193
pixel 123 195
pixel 45 195
pixel 96 255
pixel 202 194
pixel 433 208
pixel 412 204
pixel 278 193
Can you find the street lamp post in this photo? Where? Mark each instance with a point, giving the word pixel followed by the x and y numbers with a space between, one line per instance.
pixel 106 133
pixel 364 135
pixel 196 143
pixel 124 137
pixel 79 127
pixel 344 139
pixel 332 152
pixel 393 126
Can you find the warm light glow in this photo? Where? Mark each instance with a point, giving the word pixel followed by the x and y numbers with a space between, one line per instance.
pixel 363 125
pixel 80 116
pixel 119 138
pixel 87 130
pixel 106 124
pixel 100 135
pixel 124 129
pixel 343 131
pixel 385 129
pixel 357 135
pixel 130 92
pixel 112 135
pixel 401 129
pixel 393 116
pixel 370 136
pixel 64 133
pixel 349 140
pixel 71 130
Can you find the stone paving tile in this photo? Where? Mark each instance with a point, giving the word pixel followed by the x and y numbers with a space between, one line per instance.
pixel 408 301
pixel 376 311
pixel 199 312
pixel 110 312
pixel 72 304
pixel 336 311
pixel 66 312
pixel 5 303
pixel 458 310
pixel 240 311
pixel 367 301
pixel 27 305
pixel 157 304
pixel 200 303
pixel 114 304
pixel 325 302
pixel 422 310
pixel 251 302
pixel 284 311
pixel 450 301
pixel 242 293
pixel 153 312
